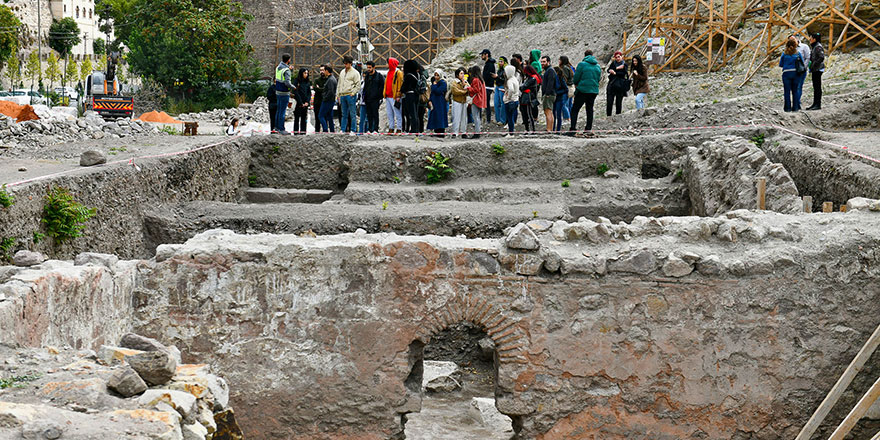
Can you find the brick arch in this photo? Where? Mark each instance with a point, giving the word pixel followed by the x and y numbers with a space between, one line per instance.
pixel 507 332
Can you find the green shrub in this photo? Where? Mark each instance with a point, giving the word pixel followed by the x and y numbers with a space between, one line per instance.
pixel 758 139
pixel 566 183
pixel 498 149
pixel 6 199
pixel 467 55
pixel 16 381
pixel 538 15
pixel 63 216
pixel 438 168
pixel 168 129
pixel 6 246
pixel 602 169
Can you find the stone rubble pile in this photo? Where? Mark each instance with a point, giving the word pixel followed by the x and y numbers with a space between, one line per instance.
pixel 57 130
pixel 137 390
pixel 256 112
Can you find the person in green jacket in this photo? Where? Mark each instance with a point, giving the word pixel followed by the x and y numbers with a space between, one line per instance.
pixel 535 60
pixel 586 81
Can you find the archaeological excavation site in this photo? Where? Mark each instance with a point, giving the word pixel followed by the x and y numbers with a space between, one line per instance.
pixel 702 284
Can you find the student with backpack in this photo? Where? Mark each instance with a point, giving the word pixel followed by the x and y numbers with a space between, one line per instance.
pixel 528 100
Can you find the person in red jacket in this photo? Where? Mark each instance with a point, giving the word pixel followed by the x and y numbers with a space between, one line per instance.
pixel 477 91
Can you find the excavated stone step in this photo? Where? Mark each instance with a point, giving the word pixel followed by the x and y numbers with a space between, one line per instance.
pixel 285 195
pixel 365 193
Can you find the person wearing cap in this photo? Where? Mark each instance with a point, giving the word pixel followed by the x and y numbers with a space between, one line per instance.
pixel 617 83
pixel 489 74
pixel 817 66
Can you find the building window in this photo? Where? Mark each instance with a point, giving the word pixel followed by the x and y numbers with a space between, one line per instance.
pixel 90 13
pixel 77 12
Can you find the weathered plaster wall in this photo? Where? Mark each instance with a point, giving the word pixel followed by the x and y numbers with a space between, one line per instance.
pixel 679 327
pixel 62 304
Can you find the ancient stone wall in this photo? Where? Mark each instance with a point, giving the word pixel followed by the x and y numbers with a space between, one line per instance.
pixel 81 305
pixel 667 328
pixel 120 193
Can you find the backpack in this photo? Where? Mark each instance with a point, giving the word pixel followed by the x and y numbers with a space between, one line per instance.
pixel 424 92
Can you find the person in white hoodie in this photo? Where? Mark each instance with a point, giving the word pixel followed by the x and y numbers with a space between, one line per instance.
pixel 511 97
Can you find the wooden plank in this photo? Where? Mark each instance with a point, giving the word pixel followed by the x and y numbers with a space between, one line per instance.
pixel 843 208
pixel 827 207
pixel 762 193
pixel 808 207
pixel 842 383
pixel 857 412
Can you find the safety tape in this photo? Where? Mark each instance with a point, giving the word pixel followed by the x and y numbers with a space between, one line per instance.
pixel 131 161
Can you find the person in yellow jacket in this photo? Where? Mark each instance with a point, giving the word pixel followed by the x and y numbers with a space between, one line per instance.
pixel 392 95
pixel 349 85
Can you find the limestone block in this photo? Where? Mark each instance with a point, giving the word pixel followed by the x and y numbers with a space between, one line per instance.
pixel 106 260
pixel 25 258
pixel 641 262
pixel 862 204
pixel 182 402
pixel 114 355
pixel 676 267
pixel 155 367
pixel 522 237
pixel 91 158
pixel 441 376
pixel 491 418
pixel 194 431
pixel 142 343
pixel 126 382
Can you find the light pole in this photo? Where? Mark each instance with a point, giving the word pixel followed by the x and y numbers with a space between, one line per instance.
pixel 39 45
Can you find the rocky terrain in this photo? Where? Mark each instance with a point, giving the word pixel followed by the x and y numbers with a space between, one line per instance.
pixel 139 390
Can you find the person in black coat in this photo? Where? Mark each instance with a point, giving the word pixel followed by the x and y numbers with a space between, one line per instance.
pixel 374 87
pixel 617 83
pixel 489 75
pixel 410 91
pixel 273 106
pixel 302 93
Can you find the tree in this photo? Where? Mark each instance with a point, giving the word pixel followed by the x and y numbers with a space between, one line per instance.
pixel 53 69
pixel 63 35
pixel 71 71
pixel 99 46
pixel 188 44
pixel 9 39
pixel 33 68
pixel 85 69
pixel 101 63
pixel 12 70
pixel 112 12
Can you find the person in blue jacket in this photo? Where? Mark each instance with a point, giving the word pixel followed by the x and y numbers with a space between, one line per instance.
pixel 438 117
pixel 790 76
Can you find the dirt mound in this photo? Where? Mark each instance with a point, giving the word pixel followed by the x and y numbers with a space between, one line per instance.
pixel 18 112
pixel 161 117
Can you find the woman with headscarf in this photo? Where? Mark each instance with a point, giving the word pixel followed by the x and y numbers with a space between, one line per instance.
pixel 535 60
pixel 393 81
pixel 302 94
pixel 438 116
pixel 410 92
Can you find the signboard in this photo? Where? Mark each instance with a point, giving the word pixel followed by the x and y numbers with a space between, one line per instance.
pixel 656 51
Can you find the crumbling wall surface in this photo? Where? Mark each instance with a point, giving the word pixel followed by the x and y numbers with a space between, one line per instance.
pixel 120 193
pixel 721 176
pixel 824 172
pixel 62 304
pixel 665 328
pixel 313 162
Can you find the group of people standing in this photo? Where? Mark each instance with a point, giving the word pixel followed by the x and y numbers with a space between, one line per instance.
pixel 510 89
pixel 797 59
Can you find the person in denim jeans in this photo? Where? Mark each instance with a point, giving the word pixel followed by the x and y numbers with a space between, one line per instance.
pixel 328 99
pixel 348 86
pixel 790 78
pixel 640 81
pixel 283 87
